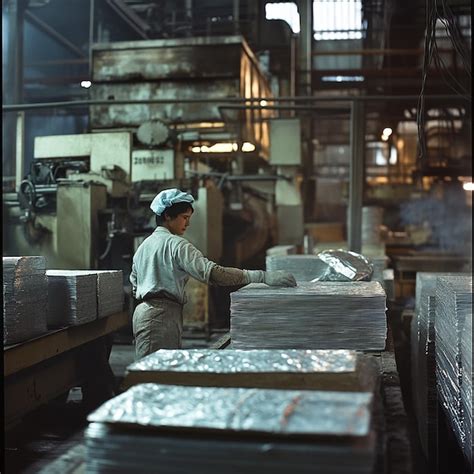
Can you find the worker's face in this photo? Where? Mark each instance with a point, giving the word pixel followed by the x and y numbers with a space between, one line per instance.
pixel 179 224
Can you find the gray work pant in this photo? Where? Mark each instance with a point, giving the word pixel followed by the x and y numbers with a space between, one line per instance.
pixel 157 324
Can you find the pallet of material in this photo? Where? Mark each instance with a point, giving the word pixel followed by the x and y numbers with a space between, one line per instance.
pixel 110 296
pixel 423 360
pixel 454 355
pixel 312 315
pixel 233 430
pixel 338 370
pixel 72 298
pixel 25 298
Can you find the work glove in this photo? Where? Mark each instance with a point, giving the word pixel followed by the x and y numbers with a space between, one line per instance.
pixel 279 278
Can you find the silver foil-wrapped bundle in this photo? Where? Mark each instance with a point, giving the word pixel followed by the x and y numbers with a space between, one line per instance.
pixel 466 385
pixel 233 430
pixel 337 370
pixel 110 295
pixel 453 309
pixel 25 298
pixel 423 360
pixel 312 315
pixel 72 297
pixel 303 267
pixel 344 265
pixel 279 250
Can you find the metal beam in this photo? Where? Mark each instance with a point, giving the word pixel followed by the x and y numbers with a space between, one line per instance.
pixel 130 17
pixel 356 177
pixel 231 100
pixel 50 31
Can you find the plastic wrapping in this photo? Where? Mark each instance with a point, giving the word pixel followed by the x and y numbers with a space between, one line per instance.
pixel 254 361
pixel 312 315
pixel 72 297
pixel 281 412
pixel 423 361
pixel 25 298
pixel 344 265
pixel 453 310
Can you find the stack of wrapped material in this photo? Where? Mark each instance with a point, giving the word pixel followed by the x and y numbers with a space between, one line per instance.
pixel 281 250
pixel 233 430
pixel 109 291
pixel 303 267
pixel 466 385
pixel 25 298
pixel 312 315
pixel 453 314
pixel 423 360
pixel 337 370
pixel 72 297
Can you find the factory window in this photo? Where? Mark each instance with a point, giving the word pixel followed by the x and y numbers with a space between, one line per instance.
pixel 337 19
pixel 332 19
pixel 284 11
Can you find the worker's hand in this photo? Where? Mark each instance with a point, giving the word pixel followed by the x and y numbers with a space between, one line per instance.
pixel 279 278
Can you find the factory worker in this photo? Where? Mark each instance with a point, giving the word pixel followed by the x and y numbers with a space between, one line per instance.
pixel 163 264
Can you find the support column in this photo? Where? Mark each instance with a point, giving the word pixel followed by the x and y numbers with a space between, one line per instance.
pixel 305 65
pixel 356 184
pixel 13 81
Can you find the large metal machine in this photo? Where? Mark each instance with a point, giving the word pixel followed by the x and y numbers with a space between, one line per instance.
pixel 85 202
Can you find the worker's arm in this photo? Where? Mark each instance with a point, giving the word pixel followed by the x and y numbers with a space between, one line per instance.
pixel 193 262
pixel 229 276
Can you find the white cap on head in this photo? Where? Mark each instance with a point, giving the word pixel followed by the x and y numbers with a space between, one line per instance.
pixel 167 198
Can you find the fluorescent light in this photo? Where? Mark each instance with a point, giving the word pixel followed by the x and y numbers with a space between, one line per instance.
pixel 247 146
pixel 223 147
pixel 86 84
pixel 468 186
pixel 387 131
pixel 196 149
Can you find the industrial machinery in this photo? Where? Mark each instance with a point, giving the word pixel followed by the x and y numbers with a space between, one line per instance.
pixel 85 202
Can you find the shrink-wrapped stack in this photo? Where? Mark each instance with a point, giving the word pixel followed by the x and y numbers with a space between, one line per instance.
pixel 372 219
pixel 453 310
pixel 303 267
pixel 339 370
pixel 423 360
pixel 312 315
pixel 72 297
pixel 109 291
pixel 466 385
pixel 233 430
pixel 379 264
pixel 25 298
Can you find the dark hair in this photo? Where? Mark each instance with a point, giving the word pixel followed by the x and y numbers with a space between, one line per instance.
pixel 173 211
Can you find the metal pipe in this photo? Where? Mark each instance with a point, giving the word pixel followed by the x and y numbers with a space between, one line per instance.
pixel 225 101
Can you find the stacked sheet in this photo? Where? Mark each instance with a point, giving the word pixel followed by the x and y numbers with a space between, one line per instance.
pixel 423 360
pixel 338 370
pixel 466 385
pixel 303 267
pixel 453 318
pixel 233 430
pixel 313 315
pixel 25 298
pixel 72 297
pixel 109 291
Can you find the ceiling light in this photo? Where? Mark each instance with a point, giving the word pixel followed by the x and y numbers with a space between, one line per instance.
pixel 196 149
pixel 263 103
pixel 247 146
pixel 387 131
pixel 468 186
pixel 86 84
